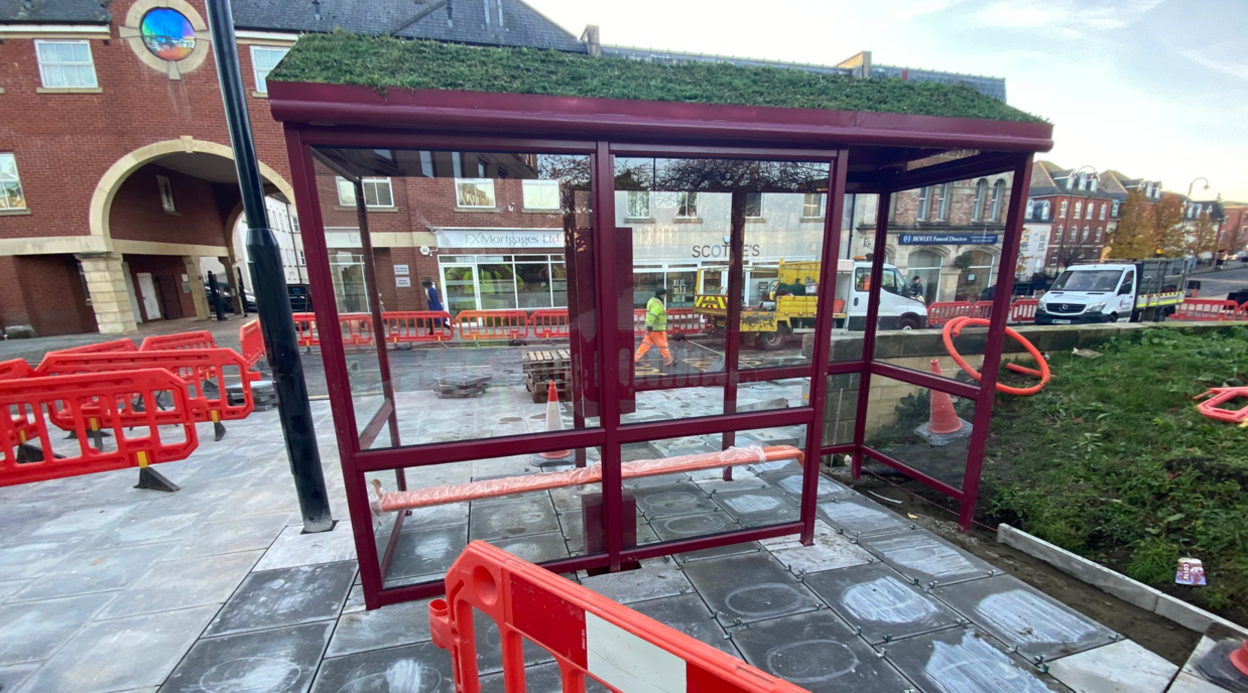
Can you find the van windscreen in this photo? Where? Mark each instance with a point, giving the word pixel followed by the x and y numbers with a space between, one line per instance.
pixel 1087 280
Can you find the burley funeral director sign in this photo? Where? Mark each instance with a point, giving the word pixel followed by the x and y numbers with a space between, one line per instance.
pixel 517 239
pixel 949 239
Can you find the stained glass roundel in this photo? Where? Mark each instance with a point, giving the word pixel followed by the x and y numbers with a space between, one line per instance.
pixel 167 34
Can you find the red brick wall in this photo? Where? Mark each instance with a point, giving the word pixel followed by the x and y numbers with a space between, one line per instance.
pixel 1076 248
pixel 138 215
pixel 26 283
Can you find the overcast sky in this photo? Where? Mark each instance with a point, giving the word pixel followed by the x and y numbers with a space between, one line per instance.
pixel 1154 88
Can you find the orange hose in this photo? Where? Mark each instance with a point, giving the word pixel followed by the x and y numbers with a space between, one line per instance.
pixel 489 488
pixel 954 327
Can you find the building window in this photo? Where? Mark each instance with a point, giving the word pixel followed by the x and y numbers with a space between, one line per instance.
pixel 812 207
pixel 11 196
pixel 753 205
pixel 1098 234
pixel 66 64
pixel 166 194
pixel 686 205
pixel 946 196
pixel 1102 211
pixel 263 60
pixel 1086 231
pixel 377 192
pixel 925 203
pixel 1059 234
pixel 638 204
pixel 1031 208
pixel 541 194
pixel 1078 209
pixel 1091 209
pixel 981 196
pixel 998 192
pixel 1114 212
pixel 1045 208
pixel 1062 213
pixel 474 193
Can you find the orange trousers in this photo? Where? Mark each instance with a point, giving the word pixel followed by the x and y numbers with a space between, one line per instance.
pixel 655 338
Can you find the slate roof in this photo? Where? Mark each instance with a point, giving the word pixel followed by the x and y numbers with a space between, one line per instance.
pixel 55 11
pixel 1048 178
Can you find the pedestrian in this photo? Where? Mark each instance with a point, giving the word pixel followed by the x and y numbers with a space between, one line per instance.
pixel 434 301
pixel 656 329
pixel 916 289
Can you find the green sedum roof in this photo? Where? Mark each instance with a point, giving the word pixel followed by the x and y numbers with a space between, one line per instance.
pixel 387 63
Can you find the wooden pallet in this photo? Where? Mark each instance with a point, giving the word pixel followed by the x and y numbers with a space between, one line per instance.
pixel 541 366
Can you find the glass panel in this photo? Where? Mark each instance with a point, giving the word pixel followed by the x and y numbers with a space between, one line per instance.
pixel 537 526
pixel 485 370
pixel 903 422
pixel 840 408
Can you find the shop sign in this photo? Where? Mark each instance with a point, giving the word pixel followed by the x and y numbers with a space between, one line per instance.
pixel 402 282
pixel 499 238
pixel 949 239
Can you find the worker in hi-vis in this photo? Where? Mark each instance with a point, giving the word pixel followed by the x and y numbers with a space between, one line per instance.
pixel 656 329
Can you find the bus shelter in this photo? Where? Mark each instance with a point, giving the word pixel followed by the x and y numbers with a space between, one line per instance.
pixel 546 198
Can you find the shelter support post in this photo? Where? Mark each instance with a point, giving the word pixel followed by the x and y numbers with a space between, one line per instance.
pixel 869 329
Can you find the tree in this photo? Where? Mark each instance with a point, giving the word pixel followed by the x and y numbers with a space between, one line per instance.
pixel 1169 236
pixel 1134 237
pixel 1203 237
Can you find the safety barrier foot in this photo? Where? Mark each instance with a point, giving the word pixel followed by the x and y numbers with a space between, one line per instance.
pixel 153 480
pixel 218 431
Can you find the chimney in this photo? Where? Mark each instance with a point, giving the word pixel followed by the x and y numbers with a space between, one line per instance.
pixel 590 38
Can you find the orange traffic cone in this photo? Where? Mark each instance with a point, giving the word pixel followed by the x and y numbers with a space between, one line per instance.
pixel 1239 658
pixel 554 422
pixel 943 426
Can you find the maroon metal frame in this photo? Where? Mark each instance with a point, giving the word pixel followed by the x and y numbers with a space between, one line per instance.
pixel 334 115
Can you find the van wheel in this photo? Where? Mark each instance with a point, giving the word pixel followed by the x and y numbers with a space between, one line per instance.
pixel 772 341
pixel 907 323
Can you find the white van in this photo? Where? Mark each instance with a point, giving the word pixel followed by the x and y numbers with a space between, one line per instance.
pixel 898 311
pixel 1114 291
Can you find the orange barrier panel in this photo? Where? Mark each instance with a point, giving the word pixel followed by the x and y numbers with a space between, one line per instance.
pixel 123 344
pixel 549 324
pixel 93 402
pixel 1221 395
pixel 251 342
pixel 357 329
pixel 475 490
pixel 940 313
pixel 1204 309
pixel 590 636
pixel 305 330
pixel 418 326
pixel 182 340
pixel 1024 310
pixel 16 368
pixel 679 321
pixel 1241 313
pixel 982 310
pixel 492 324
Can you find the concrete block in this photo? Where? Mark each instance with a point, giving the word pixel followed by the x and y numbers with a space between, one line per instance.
pixel 1121 667
pixel 1187 683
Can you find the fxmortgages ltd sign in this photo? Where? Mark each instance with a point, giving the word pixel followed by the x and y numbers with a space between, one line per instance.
pixel 516 239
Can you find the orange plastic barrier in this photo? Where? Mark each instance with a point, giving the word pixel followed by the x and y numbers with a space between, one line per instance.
pixel 1024 310
pixel 93 402
pixel 181 340
pixel 14 369
pixel 940 313
pixel 251 342
pixel 954 326
pixel 549 323
pixel 492 324
pixel 590 636
pixel 475 490
pixel 1241 313
pixel 418 326
pixel 679 321
pixel 1204 309
pixel 305 330
pixel 1221 395
pixel 100 347
pixel 982 309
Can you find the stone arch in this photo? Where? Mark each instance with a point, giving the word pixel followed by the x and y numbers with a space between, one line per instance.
pixel 110 182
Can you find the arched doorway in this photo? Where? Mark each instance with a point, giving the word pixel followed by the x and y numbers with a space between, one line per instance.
pixel 975 274
pixel 925 264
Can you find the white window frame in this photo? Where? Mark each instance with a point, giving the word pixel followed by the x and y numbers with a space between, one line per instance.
pixel 1078 208
pixel 687 201
pixel 995 209
pixel 1098 234
pixel 760 206
pixel 45 67
pixel 1060 230
pixel 981 193
pixel 1091 209
pixel 261 74
pixel 539 187
pixel 10 180
pixel 1065 207
pixel 1103 206
pixel 1046 208
pixel 1031 208
pixel 346 192
pixel 166 194
pixel 478 182
pixel 820 202
pixel 630 206
pixel 1114 212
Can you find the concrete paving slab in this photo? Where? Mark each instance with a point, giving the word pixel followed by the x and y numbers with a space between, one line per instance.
pixel 568 498
pixel 280 660
pixel 751 587
pixel 777 467
pixel 12 677
pixel 1120 667
pixel 435 516
pixel 430 552
pixel 490 646
pixel 819 653
pixel 420 668
pixel 1188 683
pixel 922 556
pixel 680 498
pixel 292 547
pixel 535 548
pixel 119 655
pixel 793 541
pixel 229 536
pixel 535 515
pixel 688 614
pixel 964 660
pixel 93 520
pixel 94 571
pixel 1022 617
pixel 284 597
pixel 268 499
pixel 574 532
pixel 390 626
pixel 182 583
pixel 705 524
pixel 857 516
pixel 829 551
pixel 757 507
pixel 1213 662
pixel 742 479
pixel 543 678
pixel 792 485
pixel 149 529
pixel 32 631
pixel 8 588
pixel 655 578
pixel 877 600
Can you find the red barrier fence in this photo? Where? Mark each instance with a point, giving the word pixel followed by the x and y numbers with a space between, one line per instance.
pixel 940 313
pixel 14 369
pixel 93 401
pixel 1024 310
pixel 357 329
pixel 679 321
pixel 1204 309
pixel 982 310
pixel 1241 313
pixel 417 326
pixel 1021 310
pixel 181 340
pixel 100 347
pixel 492 324
pixel 590 636
pixel 251 342
pixel 549 324
pixel 305 330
